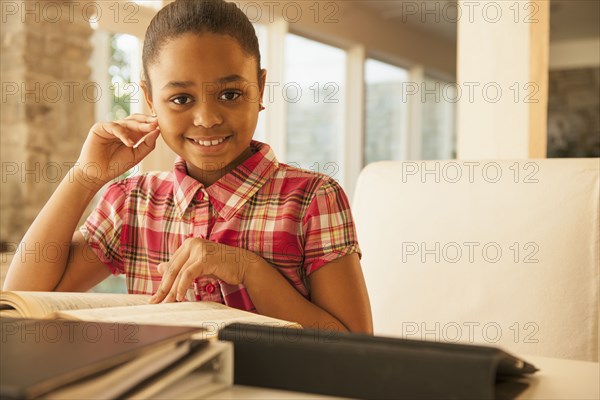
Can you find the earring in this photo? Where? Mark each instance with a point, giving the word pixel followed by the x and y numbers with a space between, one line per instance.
pixel 154 115
pixel 261 107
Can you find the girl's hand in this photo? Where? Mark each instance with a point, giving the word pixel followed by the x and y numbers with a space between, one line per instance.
pixel 198 257
pixel 109 150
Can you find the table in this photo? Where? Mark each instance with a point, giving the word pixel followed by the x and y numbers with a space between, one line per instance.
pixel 562 379
pixel 556 379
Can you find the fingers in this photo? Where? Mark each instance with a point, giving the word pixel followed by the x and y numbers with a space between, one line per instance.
pixel 139 129
pixel 171 295
pixel 146 144
pixel 186 278
pixel 169 272
pixel 141 122
pixel 169 277
pixel 190 260
pixel 145 125
pixel 130 131
pixel 108 131
pixel 141 117
pixel 111 130
pixel 161 268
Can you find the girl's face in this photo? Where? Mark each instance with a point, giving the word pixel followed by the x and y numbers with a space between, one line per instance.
pixel 206 93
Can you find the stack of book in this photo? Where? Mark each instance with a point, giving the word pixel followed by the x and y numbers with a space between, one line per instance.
pixel 92 345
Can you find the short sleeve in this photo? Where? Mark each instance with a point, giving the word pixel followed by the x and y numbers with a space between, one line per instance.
pixel 102 229
pixel 329 230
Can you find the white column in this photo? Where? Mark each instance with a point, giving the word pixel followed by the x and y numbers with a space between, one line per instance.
pixel 414 134
pixel 276 111
pixel 98 63
pixel 502 69
pixel 352 138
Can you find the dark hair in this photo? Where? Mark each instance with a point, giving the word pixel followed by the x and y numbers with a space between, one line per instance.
pixel 198 16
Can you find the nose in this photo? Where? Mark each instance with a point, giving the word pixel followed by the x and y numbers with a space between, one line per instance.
pixel 207 114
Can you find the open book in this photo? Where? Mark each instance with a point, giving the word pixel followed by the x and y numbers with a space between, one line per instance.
pixel 128 308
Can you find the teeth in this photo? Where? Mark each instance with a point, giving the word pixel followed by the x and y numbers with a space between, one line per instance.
pixel 209 142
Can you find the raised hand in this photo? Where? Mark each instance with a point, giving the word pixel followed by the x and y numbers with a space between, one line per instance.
pixel 112 148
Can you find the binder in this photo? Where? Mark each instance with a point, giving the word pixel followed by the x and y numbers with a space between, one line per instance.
pixel 203 372
pixel 371 367
pixel 39 356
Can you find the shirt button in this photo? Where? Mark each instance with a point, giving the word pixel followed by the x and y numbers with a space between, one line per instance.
pixel 210 288
pixel 200 195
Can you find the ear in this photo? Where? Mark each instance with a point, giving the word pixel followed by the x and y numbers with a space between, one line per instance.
pixel 262 82
pixel 147 95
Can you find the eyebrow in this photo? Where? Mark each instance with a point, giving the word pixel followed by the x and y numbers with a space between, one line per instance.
pixel 187 84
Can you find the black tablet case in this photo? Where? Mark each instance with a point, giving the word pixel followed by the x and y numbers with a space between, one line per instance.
pixel 363 366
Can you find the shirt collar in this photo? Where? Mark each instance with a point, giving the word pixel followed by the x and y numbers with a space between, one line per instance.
pixel 233 190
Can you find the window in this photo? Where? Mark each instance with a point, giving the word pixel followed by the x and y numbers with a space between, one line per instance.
pixel 123 58
pixel 386 112
pixel 116 69
pixel 314 92
pixel 574 113
pixel 438 139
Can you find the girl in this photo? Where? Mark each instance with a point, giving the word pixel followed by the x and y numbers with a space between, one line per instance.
pixel 229 221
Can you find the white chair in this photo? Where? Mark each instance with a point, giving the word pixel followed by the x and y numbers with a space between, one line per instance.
pixel 504 253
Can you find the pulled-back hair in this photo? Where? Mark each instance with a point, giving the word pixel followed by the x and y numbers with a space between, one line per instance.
pixel 198 17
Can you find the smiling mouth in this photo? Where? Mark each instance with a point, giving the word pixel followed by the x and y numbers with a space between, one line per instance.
pixel 209 143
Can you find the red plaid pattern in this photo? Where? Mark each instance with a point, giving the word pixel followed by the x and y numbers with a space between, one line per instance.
pixel 296 220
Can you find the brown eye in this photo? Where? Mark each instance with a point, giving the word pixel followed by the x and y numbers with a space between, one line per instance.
pixel 230 96
pixel 181 100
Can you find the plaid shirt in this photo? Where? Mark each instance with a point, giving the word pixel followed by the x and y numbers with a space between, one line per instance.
pixel 296 220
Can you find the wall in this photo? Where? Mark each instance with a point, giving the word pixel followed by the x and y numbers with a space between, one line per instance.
pixel 47 109
pixel 506 63
pixel 345 24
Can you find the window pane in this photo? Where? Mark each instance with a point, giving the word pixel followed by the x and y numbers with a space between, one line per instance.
pixel 574 113
pixel 439 138
pixel 386 112
pixel 315 75
pixel 124 51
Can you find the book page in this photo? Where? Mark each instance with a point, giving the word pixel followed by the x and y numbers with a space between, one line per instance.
pixel 40 304
pixel 196 385
pixel 9 313
pixel 209 315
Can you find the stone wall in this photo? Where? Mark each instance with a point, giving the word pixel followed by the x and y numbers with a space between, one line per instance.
pixel 47 107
